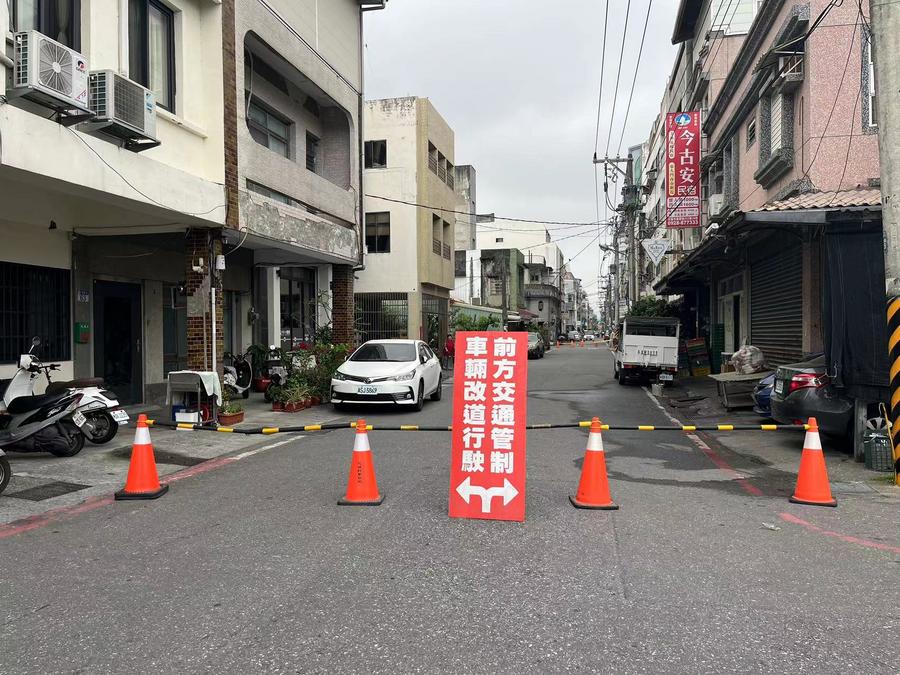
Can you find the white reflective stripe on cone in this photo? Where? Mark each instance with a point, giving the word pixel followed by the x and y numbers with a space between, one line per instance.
pixel 812 441
pixel 361 444
pixel 142 436
pixel 595 442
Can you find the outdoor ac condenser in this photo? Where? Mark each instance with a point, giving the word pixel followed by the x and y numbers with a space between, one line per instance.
pixel 123 109
pixel 49 73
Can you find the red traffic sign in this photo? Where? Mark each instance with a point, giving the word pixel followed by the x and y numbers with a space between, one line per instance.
pixel 490 387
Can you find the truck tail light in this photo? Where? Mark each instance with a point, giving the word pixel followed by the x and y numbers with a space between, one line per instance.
pixel 807 381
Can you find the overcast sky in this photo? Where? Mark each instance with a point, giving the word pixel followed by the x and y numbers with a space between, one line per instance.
pixel 517 80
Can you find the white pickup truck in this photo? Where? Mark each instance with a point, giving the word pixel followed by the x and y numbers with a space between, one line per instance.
pixel 647 348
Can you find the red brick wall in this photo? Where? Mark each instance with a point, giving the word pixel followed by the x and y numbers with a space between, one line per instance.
pixel 342 304
pixel 198 244
pixel 232 217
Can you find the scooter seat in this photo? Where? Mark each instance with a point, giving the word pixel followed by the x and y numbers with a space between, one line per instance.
pixel 24 404
pixel 83 383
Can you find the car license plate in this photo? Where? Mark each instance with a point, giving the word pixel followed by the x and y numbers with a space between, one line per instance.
pixel 779 386
pixel 78 418
pixel 665 377
pixel 119 416
pixel 367 390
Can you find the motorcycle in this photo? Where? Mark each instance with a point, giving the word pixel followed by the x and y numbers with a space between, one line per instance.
pixel 45 423
pixel 237 376
pixel 98 413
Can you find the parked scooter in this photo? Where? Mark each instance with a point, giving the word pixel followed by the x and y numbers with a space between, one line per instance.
pixel 238 375
pixel 278 372
pixel 98 407
pixel 45 423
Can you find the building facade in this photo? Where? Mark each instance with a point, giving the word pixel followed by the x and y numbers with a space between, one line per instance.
pixel 145 244
pixel 791 199
pixel 404 290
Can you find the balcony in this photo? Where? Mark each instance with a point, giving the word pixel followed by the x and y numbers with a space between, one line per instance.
pixel 541 291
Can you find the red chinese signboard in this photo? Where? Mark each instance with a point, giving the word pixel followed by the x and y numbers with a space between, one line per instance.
pixel 490 385
pixel 683 169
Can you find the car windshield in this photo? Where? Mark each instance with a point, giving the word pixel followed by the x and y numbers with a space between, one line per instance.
pixel 533 338
pixel 385 351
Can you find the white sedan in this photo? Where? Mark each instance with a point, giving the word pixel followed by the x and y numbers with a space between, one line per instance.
pixel 388 371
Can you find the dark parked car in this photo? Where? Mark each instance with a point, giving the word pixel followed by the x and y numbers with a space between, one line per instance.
pixel 535 346
pixel 762 396
pixel 803 390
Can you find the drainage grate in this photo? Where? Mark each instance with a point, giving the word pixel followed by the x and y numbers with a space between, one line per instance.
pixel 161 457
pixel 48 491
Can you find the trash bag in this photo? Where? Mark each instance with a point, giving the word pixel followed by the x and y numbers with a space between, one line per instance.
pixel 748 359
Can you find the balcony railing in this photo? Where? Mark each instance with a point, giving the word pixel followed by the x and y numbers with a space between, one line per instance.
pixel 442 172
pixel 447 251
pixel 436 246
pixel 450 180
pixel 432 163
pixel 541 291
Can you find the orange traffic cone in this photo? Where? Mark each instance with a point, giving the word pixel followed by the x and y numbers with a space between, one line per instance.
pixel 812 479
pixel 362 490
pixel 142 481
pixel 593 489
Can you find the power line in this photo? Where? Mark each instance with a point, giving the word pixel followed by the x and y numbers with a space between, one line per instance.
pixel 634 80
pixel 602 67
pixel 495 217
pixel 618 74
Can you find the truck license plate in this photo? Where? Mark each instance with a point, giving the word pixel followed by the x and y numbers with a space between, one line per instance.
pixel 665 377
pixel 367 390
pixel 119 416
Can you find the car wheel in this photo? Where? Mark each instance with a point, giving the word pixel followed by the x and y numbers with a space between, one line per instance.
pixel 420 399
pixel 436 396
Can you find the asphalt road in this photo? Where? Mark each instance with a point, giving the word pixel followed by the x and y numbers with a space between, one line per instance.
pixel 253 568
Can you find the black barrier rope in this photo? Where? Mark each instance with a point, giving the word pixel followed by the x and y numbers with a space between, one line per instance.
pixel 416 427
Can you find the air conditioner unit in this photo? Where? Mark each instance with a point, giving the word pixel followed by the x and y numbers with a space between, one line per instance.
pixel 49 73
pixel 716 202
pixel 124 109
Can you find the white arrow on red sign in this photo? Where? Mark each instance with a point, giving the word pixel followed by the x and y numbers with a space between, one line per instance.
pixel 466 490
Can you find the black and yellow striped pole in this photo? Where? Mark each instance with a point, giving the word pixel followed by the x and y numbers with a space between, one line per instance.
pixel 893 323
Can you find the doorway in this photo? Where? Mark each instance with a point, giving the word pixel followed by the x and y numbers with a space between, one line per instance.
pixel 117 340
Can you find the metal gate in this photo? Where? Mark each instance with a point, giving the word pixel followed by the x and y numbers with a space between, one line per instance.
pixel 776 304
pixel 435 315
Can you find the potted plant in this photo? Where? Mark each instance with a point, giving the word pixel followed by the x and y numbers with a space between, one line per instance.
pixel 258 356
pixel 277 393
pixel 231 412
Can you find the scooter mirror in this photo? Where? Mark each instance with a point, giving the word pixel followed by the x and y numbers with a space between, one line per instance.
pixel 35 341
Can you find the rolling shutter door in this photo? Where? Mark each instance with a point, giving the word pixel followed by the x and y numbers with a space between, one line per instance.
pixel 776 305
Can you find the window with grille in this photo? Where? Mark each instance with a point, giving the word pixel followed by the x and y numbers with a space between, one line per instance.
pixel 378 232
pixel 751 133
pixel 34 301
pixel 268 129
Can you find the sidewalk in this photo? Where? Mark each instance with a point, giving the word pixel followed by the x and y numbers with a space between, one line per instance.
pixel 773 454
pixel 42 482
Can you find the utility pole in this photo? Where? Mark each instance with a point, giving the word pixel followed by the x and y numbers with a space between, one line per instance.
pixel 885 20
pixel 616 271
pixel 628 202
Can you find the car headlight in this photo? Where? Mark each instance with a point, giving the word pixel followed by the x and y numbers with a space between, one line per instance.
pixel 338 375
pixel 406 377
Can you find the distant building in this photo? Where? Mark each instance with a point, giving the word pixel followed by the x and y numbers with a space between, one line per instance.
pixel 404 290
